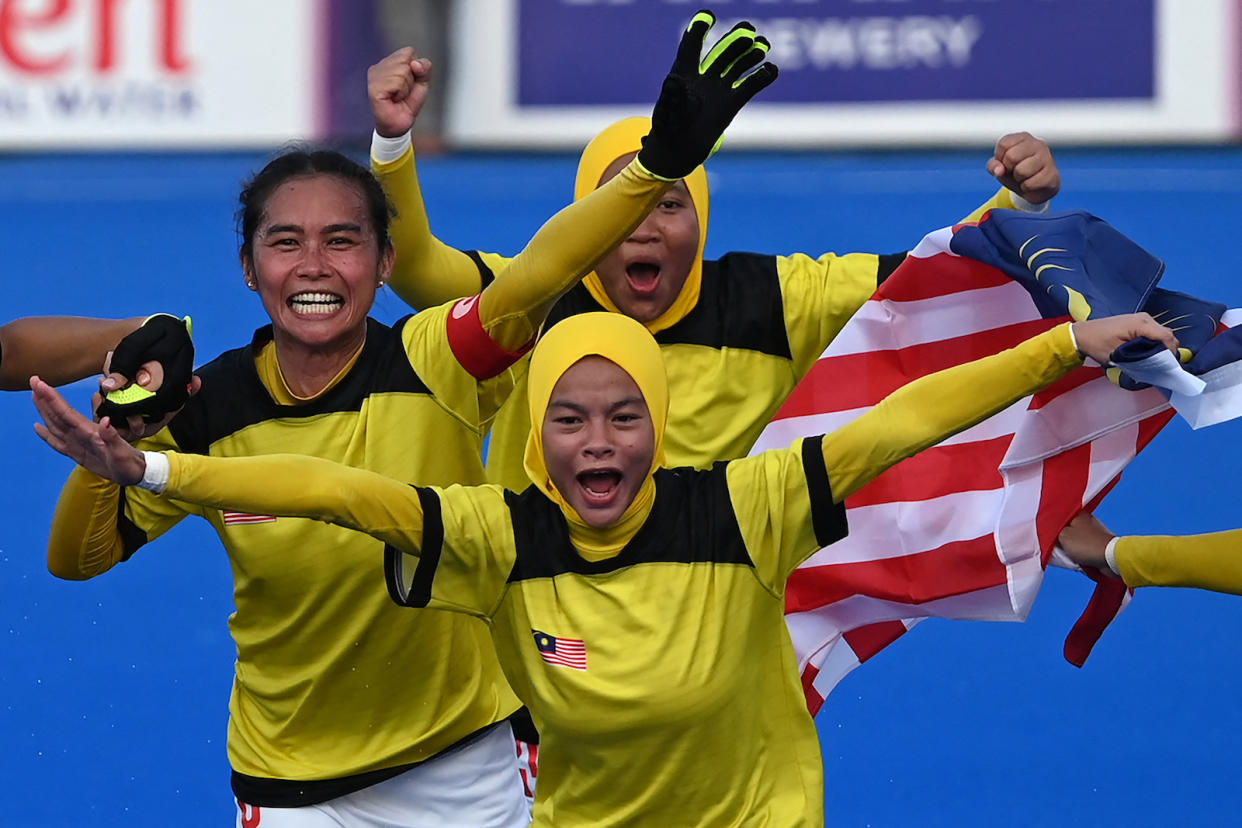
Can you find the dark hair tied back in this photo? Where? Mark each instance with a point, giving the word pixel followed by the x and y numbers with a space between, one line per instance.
pixel 297 163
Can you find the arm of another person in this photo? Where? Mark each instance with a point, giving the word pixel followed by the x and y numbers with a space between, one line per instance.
pixel 61 349
pixel 821 294
pixel 1210 561
pixel 470 560
pixel 427 272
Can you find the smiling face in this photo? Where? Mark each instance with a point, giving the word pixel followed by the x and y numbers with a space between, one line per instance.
pixel 645 273
pixel 316 264
pixel 598 440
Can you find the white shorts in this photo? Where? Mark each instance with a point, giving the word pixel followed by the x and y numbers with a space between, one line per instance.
pixel 472 786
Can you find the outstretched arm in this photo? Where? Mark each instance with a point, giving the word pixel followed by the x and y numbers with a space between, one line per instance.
pixel 1210 561
pixel 280 485
pixel 61 349
pixel 932 408
pixel 427 272
pixel 697 102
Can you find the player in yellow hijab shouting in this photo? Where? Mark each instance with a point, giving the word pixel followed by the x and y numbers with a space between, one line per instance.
pixel 636 610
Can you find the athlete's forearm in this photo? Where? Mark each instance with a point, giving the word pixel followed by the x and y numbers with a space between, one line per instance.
pixel 932 408
pixel 427 272
pixel 1211 561
pixel 563 251
pixel 60 349
pixel 290 485
pixel 84 540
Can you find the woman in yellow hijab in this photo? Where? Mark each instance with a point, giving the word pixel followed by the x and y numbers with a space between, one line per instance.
pixel 636 610
pixel 738 332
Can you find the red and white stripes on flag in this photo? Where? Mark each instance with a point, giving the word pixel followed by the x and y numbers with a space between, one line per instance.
pixel 964 529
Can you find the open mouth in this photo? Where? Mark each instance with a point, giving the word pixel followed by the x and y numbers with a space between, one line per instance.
pixel 643 277
pixel 599 486
pixel 315 304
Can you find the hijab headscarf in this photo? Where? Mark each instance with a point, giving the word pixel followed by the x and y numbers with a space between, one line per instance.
pixel 623 138
pixel 629 345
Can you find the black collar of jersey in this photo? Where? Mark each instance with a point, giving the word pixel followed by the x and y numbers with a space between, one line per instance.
pixel 691 521
pixel 234 397
pixel 740 306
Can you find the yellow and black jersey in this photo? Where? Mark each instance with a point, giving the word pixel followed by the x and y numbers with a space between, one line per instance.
pixel 758 326
pixel 640 670
pixel 318 706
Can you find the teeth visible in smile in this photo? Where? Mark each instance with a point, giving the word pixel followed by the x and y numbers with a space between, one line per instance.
pixel 315 302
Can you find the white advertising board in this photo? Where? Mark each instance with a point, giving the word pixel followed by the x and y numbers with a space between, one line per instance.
pixel 862 72
pixel 157 73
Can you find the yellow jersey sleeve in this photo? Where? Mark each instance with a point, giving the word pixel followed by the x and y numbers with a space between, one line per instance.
pixel 450 549
pixel 932 408
pixel 1210 561
pixel 471 401
pixel 820 295
pixel 785 508
pixel 513 307
pixel 467 556
pixel 427 272
pixel 98 524
pixel 294 485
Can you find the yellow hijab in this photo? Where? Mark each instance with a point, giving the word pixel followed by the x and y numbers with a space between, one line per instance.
pixel 621 340
pixel 623 138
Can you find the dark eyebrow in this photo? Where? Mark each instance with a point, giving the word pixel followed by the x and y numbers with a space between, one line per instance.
pixel 343 228
pixel 573 406
pixel 566 404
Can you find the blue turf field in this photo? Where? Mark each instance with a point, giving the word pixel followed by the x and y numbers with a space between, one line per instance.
pixel 113 693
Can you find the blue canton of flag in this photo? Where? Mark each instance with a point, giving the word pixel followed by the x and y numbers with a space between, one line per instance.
pixel 562 652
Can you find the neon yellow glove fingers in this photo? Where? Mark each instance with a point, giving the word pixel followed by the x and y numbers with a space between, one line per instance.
pixel 736 42
pixel 691 46
pixel 749 60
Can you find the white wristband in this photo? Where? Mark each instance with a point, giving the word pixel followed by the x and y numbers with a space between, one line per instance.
pixel 1110 556
pixel 1074 338
pixel 1022 204
pixel 155 478
pixel 386 150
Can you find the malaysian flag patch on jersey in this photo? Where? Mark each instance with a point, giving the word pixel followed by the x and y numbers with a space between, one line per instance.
pixel 240 518
pixel 563 652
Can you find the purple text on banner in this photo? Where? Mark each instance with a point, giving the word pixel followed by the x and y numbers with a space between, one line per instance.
pixel 600 52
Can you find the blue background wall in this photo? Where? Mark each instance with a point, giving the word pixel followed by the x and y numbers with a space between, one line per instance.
pixel 113 693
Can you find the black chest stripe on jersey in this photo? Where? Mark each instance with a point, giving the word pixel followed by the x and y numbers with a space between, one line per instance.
pixel 740 306
pixel 233 396
pixel 692 521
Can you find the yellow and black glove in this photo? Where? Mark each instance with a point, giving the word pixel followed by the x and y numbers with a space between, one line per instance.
pixel 699 99
pixel 162 338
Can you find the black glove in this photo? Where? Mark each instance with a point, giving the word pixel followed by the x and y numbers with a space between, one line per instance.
pixel 698 101
pixel 161 338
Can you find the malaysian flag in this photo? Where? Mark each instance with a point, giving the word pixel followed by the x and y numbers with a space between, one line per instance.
pixel 243 518
pixel 966 528
pixel 560 651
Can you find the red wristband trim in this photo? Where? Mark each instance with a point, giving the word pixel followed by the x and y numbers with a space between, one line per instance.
pixel 477 352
